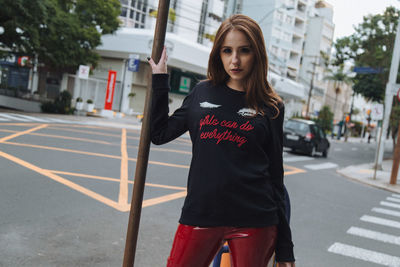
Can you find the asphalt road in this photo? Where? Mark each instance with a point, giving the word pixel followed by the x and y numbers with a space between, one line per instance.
pixel 65 189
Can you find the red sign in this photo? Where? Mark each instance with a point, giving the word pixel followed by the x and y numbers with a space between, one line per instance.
pixel 112 76
pixel 398 94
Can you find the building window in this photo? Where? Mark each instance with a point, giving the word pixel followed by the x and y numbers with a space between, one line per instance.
pixel 274 50
pixel 202 23
pixel 276 33
pixel 284 53
pixel 287 36
pixel 289 19
pixel 279 15
pixel 135 11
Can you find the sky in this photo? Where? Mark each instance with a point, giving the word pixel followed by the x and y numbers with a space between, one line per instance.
pixel 347 13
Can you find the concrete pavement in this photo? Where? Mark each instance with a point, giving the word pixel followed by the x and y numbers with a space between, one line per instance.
pixel 364 173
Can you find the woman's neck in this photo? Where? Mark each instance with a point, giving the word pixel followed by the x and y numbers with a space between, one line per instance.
pixel 235 85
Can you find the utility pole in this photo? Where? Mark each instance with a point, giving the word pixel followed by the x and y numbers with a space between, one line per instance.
pixel 394 67
pixel 144 145
pixel 311 86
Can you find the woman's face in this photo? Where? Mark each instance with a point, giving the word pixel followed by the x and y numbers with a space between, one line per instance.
pixel 237 56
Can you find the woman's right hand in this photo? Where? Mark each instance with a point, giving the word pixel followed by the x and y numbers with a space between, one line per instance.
pixel 161 67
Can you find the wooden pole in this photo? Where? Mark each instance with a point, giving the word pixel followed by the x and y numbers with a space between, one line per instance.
pixel 396 160
pixel 144 145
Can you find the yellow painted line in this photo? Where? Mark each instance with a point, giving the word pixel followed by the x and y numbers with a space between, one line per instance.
pixel 171 150
pixel 89 132
pixel 293 170
pixel 63 181
pixel 114 179
pixel 123 185
pixel 95 154
pixel 159 200
pixel 64 137
pixel 4 139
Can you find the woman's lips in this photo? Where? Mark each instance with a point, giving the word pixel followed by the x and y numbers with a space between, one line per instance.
pixel 236 70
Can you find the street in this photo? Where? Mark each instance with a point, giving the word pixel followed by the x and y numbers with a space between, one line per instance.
pixel 65 190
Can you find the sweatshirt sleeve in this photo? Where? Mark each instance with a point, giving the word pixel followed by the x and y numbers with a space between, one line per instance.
pixel 284 246
pixel 164 128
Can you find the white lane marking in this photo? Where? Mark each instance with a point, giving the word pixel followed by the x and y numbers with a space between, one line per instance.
pixel 321 166
pixel 380 221
pixel 3 119
pixel 391 239
pixel 337 149
pixel 386 211
pixel 364 254
pixel 58 120
pixel 354 149
pixel 396 195
pixel 13 118
pixel 389 204
pixel 30 118
pixel 299 158
pixel 393 199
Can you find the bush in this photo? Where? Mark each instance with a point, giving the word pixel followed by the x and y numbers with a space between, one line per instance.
pixel 325 118
pixel 89 101
pixel 61 105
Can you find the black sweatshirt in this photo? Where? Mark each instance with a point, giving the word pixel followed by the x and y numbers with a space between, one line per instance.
pixel 236 172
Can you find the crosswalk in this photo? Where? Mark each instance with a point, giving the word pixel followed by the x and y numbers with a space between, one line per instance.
pixel 290 158
pixel 381 219
pixel 13 117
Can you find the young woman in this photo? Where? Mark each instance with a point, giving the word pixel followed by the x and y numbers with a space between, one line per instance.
pixel 235 184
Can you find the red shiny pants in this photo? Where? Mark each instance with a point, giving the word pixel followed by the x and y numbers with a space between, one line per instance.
pixel 197 246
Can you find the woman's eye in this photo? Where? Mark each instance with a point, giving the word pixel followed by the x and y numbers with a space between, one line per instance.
pixel 226 50
pixel 246 50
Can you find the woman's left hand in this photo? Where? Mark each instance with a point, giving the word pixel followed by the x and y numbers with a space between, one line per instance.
pixel 161 67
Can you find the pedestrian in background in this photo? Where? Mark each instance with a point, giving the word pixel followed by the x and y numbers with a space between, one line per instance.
pixel 235 185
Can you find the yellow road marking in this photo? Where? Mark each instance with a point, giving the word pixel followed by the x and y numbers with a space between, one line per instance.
pixel 89 132
pixel 123 185
pixel 293 170
pixel 114 179
pixel 158 200
pixel 63 181
pixel 95 154
pixel 4 139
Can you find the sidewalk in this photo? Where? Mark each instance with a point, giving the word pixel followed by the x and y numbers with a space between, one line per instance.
pixel 364 173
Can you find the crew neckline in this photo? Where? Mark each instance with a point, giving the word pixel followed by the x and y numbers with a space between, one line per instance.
pixel 233 90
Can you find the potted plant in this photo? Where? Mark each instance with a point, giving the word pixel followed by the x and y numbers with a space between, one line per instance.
pixel 89 105
pixel 79 103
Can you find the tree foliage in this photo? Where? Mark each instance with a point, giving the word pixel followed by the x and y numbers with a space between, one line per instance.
pixel 325 117
pixel 370 46
pixel 62 33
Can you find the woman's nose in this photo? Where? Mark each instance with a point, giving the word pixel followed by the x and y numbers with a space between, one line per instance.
pixel 235 58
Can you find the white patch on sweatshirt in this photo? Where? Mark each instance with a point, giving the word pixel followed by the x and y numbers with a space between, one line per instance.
pixel 208 105
pixel 247 112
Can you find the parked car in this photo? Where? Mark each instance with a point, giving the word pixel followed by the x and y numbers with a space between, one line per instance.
pixel 305 136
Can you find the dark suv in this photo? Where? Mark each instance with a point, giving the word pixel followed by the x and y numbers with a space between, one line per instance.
pixel 305 136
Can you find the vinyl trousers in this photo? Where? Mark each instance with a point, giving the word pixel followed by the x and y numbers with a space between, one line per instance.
pixel 197 246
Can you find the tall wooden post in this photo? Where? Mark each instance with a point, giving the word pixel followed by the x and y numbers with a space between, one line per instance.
pixel 396 160
pixel 144 145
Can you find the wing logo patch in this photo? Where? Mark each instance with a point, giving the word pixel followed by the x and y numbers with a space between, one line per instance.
pixel 208 105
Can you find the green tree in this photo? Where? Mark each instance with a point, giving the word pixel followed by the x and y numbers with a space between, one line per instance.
pixel 339 78
pixel 370 46
pixel 61 33
pixel 325 118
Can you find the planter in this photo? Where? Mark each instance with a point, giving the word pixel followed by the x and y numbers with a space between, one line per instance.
pixel 89 107
pixel 79 105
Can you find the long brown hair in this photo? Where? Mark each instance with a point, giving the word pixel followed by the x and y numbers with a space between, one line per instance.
pixel 259 92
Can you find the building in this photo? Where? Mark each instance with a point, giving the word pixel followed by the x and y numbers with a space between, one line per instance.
pixel 317 45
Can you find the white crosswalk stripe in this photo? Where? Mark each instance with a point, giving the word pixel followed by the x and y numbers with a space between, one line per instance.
pixel 326 165
pixel 365 254
pixel 396 195
pixel 389 204
pixel 380 221
pixel 12 118
pixel 30 118
pixel 387 212
pixel 3 119
pixel 371 235
pixel 393 199
pixel 361 232
pixel 296 159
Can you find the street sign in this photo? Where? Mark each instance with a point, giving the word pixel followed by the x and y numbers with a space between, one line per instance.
pixel 133 63
pixel 184 84
pixel 377 112
pixel 112 76
pixel 83 72
pixel 367 70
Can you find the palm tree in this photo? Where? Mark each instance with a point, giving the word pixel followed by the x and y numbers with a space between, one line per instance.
pixel 339 78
